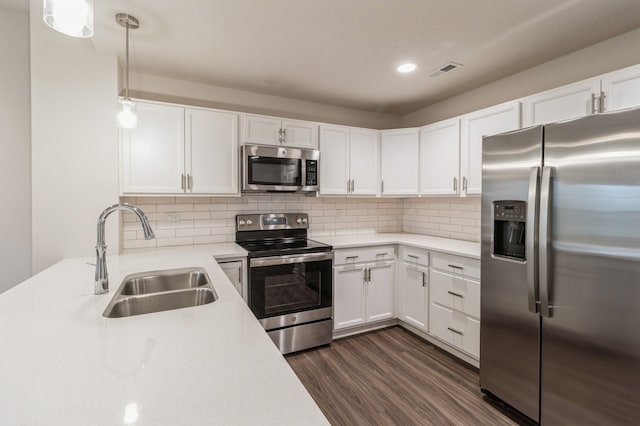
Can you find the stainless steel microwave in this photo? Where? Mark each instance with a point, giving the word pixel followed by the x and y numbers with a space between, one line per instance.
pixel 279 169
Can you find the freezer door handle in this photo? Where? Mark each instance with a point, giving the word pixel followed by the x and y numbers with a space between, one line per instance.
pixel 543 242
pixel 531 239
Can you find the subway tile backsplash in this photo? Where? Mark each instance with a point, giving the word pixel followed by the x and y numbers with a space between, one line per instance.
pixel 204 220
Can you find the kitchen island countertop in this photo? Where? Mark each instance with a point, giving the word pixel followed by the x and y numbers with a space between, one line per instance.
pixel 62 362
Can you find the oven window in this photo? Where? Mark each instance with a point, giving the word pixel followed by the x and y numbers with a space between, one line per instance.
pixel 275 171
pixel 282 289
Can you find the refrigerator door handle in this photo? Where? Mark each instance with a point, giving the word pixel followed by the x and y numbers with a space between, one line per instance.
pixel 532 240
pixel 543 242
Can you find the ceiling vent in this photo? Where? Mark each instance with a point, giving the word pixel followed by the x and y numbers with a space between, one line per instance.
pixel 444 69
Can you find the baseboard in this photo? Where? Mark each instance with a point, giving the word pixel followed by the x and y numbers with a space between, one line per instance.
pixel 338 334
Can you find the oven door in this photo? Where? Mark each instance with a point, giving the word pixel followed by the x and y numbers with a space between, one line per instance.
pixel 282 285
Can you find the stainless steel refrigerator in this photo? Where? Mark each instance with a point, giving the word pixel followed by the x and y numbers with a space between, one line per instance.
pixel 560 328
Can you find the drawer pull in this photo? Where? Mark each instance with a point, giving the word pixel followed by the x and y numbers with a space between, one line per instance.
pixel 351 257
pixel 456 294
pixel 456 267
pixel 413 257
pixel 381 254
pixel 456 331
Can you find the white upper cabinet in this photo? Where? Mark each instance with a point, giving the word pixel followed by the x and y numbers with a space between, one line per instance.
pixel 334 160
pixel 180 151
pixel 266 130
pixel 302 134
pixel 261 129
pixel 440 158
pixel 399 161
pixel 364 161
pixel 211 151
pixel 566 102
pixel 349 161
pixel 621 89
pixel 153 153
pixel 489 121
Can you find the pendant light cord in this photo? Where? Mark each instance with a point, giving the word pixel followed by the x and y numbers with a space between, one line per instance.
pixel 126 89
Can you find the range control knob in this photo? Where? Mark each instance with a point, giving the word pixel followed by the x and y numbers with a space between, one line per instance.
pixel 304 220
pixel 298 221
pixel 249 222
pixel 241 222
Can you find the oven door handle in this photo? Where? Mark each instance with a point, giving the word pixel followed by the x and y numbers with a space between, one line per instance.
pixel 293 258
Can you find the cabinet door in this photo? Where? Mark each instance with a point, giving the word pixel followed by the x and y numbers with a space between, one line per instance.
pixel 381 290
pixel 348 297
pixel 490 121
pixel 570 101
pixel 233 271
pixel 212 151
pixel 334 160
pixel 440 158
pixel 261 129
pixel 621 89
pixel 413 294
pixel 153 153
pixel 301 134
pixel 364 160
pixel 399 162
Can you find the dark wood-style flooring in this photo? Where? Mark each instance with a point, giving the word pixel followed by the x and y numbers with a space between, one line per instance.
pixel 391 376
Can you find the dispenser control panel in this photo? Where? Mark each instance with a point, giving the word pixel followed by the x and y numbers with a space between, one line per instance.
pixel 514 210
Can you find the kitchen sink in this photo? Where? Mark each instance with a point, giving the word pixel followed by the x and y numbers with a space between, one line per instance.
pixel 159 281
pixel 156 291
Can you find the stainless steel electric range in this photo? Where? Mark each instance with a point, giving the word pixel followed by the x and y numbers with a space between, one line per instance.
pixel 290 281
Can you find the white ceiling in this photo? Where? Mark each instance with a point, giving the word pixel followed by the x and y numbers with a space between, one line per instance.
pixel 344 52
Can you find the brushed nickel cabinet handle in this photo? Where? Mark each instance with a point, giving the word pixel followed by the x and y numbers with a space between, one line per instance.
pixel 455 331
pixel 456 294
pixel 183 181
pixel 455 267
pixel 455 184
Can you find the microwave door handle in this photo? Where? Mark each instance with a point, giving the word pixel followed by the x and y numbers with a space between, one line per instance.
pixel 531 240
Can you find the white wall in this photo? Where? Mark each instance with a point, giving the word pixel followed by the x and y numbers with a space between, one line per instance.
pixel 15 160
pixel 74 144
pixel 609 55
pixel 165 89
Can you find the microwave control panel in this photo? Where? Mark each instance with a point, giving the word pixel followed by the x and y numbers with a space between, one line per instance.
pixel 312 173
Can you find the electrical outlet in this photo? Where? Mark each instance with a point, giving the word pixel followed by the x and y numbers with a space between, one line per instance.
pixel 172 219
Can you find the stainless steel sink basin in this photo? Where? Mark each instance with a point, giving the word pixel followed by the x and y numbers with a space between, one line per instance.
pixel 159 281
pixel 156 291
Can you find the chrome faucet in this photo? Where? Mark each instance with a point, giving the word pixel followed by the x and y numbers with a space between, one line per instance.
pixel 102 277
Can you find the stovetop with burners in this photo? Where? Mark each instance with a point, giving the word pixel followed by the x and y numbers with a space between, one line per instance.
pixel 276 234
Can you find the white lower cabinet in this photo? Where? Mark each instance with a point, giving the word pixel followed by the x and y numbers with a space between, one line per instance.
pixel 454 294
pixel 348 296
pixel 413 287
pixel 455 328
pixel 235 271
pixel 364 292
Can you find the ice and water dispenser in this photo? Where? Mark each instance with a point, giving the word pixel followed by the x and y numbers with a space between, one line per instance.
pixel 509 223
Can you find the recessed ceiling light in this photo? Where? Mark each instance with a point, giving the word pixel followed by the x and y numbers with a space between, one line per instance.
pixel 407 67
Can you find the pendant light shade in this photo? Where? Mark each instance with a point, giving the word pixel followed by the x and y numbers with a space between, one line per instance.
pixel 127 118
pixel 70 17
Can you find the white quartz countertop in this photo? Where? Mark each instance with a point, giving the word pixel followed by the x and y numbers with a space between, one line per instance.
pixel 443 245
pixel 62 362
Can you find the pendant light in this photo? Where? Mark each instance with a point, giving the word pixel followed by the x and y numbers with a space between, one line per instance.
pixel 70 17
pixel 127 117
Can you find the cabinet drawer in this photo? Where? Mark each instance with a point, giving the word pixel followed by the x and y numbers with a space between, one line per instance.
pixel 363 254
pixel 455 292
pixel 456 265
pixel 417 256
pixel 455 328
